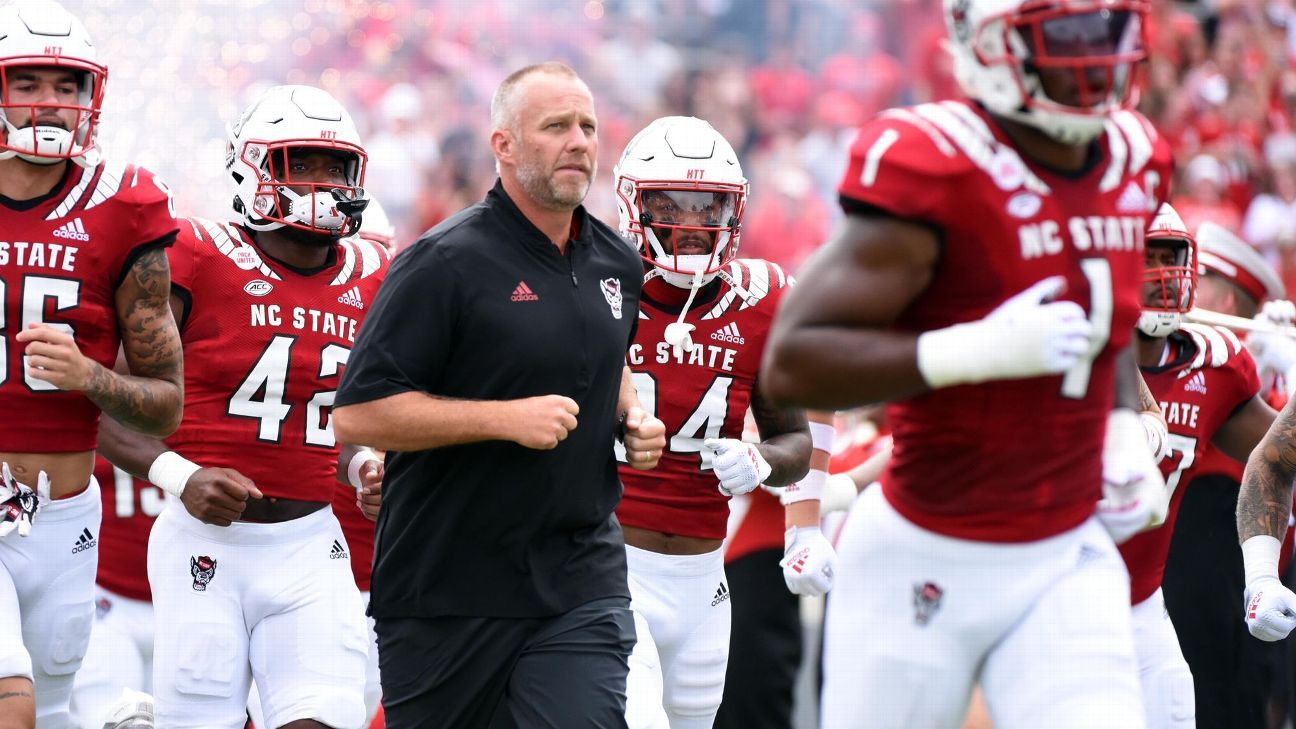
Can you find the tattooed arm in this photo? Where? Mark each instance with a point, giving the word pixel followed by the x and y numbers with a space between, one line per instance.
pixel 148 399
pixel 1264 503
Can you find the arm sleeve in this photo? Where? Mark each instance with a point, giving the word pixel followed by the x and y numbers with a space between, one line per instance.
pixel 405 339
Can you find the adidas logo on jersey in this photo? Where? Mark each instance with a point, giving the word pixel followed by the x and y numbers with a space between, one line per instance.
pixel 352 298
pixel 523 293
pixel 338 551
pixel 1196 383
pixel 729 334
pixel 84 542
pixel 1133 199
pixel 73 230
pixel 722 594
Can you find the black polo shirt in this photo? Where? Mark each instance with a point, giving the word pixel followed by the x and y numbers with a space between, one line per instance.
pixel 485 307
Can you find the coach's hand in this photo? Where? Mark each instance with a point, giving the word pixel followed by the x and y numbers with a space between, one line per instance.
pixel 645 439
pixel 53 356
pixel 543 422
pixel 218 495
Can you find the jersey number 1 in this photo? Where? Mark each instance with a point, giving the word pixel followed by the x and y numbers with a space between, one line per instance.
pixel 1075 383
pixel 261 396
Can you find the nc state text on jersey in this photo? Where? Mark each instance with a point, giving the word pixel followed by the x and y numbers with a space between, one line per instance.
pixel 270 315
pixel 55 256
pixel 1180 413
pixel 702 355
pixel 1093 232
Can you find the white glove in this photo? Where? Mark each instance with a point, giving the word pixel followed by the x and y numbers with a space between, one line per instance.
pixel 1270 606
pixel 1275 354
pixel 1158 438
pixel 19 503
pixel 678 337
pixel 839 494
pixel 1026 336
pixel 808 561
pixel 133 710
pixel 1134 492
pixel 739 466
pixel 1270 609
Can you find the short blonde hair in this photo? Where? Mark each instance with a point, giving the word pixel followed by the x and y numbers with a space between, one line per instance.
pixel 503 108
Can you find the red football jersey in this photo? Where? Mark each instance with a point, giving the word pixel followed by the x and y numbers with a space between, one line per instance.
pixel 130 506
pixel 264 348
pixel 1209 376
pixel 359 533
pixel 705 395
pixel 1014 460
pixel 62 257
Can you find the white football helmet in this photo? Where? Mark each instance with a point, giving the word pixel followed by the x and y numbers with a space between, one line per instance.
pixel 1174 289
pixel 283 120
pixel 1000 46
pixel 680 178
pixel 40 34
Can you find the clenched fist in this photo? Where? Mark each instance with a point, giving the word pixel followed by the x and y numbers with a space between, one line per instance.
pixel 645 438
pixel 218 495
pixel 543 422
pixel 53 356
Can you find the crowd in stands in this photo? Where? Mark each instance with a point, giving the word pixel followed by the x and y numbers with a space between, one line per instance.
pixel 786 80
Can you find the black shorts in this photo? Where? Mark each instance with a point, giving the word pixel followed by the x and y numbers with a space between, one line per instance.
pixel 567 671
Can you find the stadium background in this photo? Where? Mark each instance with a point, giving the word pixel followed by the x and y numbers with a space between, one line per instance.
pixel 785 80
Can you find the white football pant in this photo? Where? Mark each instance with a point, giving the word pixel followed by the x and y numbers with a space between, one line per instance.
pixel 120 656
pixel 372 687
pixel 1166 678
pixel 682 617
pixel 47 584
pixel 917 618
pixel 272 602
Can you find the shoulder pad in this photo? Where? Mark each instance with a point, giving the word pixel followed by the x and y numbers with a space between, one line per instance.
pixel 1215 345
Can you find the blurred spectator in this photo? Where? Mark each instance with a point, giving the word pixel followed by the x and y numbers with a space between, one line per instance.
pixel 1201 197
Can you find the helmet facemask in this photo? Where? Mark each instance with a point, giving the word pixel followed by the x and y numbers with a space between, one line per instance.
pixel 688 231
pixel 1061 66
pixel 41 139
pixel 320 208
pixel 1169 283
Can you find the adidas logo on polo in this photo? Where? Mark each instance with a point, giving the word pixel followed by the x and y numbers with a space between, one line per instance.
pixel 523 293
pixel 73 230
pixel 729 334
pixel 352 298
pixel 722 594
pixel 338 551
pixel 85 541
pixel 1196 383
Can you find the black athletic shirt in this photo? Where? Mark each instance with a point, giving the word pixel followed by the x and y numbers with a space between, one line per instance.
pixel 485 307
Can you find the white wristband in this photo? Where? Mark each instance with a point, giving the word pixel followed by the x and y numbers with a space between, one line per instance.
pixel 1260 557
pixel 362 456
pixel 944 356
pixel 821 436
pixel 810 487
pixel 171 471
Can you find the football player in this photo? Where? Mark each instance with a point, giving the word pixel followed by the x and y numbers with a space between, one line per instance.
pixel 249 568
pixel 83 272
pixel 1208 388
pixel 703 321
pixel 985 281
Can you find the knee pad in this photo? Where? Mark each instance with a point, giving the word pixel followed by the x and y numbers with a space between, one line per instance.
pixel 57 637
pixel 695 684
pixel 208 660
